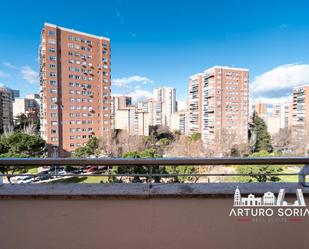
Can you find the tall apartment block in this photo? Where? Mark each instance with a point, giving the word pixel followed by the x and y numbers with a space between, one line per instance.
pixel 260 108
pixel 195 103
pixel 219 103
pixel 6 109
pixel 75 88
pixel 179 121
pixel 29 104
pixel 279 119
pixel 167 96
pixel 118 102
pixel 300 117
pixel 124 115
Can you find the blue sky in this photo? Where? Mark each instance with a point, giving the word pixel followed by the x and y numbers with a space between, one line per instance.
pixel 162 43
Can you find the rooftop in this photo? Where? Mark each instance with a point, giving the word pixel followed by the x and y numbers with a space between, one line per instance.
pixel 74 31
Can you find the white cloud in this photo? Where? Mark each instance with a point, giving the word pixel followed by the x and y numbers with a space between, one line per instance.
pixel 280 80
pixel 126 81
pixel 9 65
pixel 29 75
pixel 4 74
pixel 138 95
pixel 272 100
pixel 119 17
pixel 283 26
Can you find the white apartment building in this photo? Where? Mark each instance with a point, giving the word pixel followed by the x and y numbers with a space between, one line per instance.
pixel 300 116
pixel 195 104
pixel 29 104
pixel 167 96
pixel 127 119
pixel 180 121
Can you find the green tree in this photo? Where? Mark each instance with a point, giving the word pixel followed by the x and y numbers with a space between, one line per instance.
pixel 195 136
pixel 20 145
pixel 23 121
pixel 180 170
pixel 148 153
pixel 92 148
pixel 262 137
pixel 259 170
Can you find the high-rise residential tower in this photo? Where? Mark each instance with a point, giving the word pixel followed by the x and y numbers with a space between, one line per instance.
pixel 300 117
pixel 219 104
pixel 75 88
pixel 260 108
pixel 6 109
pixel 195 103
pixel 167 96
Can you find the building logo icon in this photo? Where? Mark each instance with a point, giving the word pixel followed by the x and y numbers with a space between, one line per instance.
pixel 268 199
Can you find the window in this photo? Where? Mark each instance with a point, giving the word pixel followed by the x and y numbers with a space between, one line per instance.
pixel 53 82
pixel 52 50
pixel 53 114
pixel 53 107
pixel 70 38
pixel 53 99
pixel 52 65
pixel 52 41
pixel 52 58
pixel 52 74
pixel 51 33
pixel 53 90
pixel 54 123
pixel 70 45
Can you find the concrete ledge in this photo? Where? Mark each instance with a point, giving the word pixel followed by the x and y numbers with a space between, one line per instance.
pixel 141 190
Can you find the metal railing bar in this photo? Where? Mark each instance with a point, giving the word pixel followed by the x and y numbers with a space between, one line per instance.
pixel 129 162
pixel 155 175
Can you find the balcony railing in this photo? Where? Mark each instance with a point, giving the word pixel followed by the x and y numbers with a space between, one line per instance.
pixel 152 165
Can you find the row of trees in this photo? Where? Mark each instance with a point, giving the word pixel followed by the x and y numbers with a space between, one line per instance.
pixel 158 144
pixel 24 141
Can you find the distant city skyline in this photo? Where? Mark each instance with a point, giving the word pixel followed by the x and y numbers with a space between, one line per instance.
pixel 161 44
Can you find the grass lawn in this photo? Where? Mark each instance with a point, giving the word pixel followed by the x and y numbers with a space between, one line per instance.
pixel 291 178
pixel 30 170
pixel 83 179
